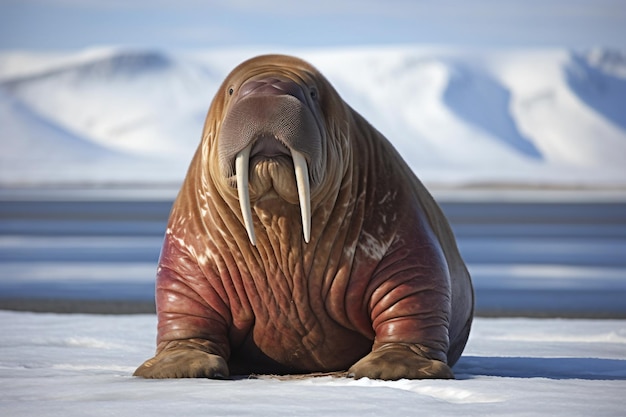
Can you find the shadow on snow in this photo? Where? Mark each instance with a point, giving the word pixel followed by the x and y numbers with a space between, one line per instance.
pixel 470 367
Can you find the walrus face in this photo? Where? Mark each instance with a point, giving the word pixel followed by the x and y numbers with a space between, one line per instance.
pixel 271 141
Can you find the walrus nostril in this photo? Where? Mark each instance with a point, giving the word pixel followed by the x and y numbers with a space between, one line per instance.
pixel 272 86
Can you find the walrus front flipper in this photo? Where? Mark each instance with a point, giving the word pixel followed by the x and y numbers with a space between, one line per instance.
pixel 395 361
pixel 184 362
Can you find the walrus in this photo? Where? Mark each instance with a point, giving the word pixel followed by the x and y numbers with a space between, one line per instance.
pixel 301 242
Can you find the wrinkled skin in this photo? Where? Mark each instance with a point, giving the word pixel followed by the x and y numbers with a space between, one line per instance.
pixel 379 290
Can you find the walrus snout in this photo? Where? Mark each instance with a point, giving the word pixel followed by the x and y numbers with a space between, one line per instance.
pixel 270 108
pixel 271 117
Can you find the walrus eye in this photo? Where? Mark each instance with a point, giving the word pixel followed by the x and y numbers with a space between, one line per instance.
pixel 314 93
pixel 231 91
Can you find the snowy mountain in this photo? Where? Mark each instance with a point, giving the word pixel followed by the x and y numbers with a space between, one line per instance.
pixel 511 118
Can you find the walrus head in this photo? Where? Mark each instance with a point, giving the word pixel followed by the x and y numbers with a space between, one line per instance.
pixel 272 140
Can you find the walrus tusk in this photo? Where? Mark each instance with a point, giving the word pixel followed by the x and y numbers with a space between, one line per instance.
pixel 304 192
pixel 302 182
pixel 241 170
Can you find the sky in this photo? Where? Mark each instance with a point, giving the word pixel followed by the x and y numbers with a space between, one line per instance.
pixel 56 25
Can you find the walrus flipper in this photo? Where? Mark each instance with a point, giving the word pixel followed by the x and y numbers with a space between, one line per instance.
pixel 184 360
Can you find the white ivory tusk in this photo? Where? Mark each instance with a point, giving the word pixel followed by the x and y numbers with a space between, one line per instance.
pixel 242 162
pixel 304 192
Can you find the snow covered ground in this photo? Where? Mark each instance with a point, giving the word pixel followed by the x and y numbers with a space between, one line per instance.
pixel 81 365
pixel 515 117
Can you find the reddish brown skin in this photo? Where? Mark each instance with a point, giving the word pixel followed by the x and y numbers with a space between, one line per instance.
pixel 380 290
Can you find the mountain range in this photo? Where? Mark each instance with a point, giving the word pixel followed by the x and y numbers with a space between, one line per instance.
pixel 531 118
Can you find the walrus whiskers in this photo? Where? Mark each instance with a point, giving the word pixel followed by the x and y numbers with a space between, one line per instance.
pixel 302 182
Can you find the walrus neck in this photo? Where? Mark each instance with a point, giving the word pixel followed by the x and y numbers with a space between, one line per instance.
pixel 280 222
pixel 279 230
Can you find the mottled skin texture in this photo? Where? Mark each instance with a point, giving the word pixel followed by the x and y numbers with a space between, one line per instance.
pixel 380 290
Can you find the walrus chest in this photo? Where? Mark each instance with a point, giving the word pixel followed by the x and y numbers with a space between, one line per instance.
pixel 298 340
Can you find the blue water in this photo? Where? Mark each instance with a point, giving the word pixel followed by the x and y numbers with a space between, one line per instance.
pixel 525 258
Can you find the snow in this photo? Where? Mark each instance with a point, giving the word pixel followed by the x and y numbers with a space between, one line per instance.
pixel 539 117
pixel 77 365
